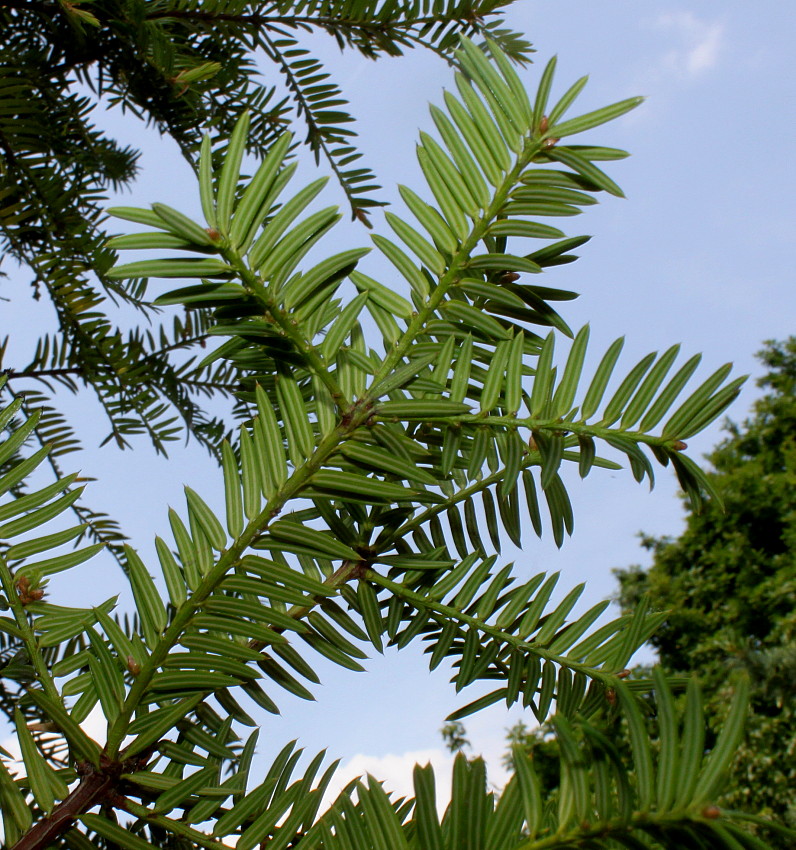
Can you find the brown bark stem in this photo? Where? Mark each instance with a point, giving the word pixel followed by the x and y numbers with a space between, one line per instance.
pixel 91 790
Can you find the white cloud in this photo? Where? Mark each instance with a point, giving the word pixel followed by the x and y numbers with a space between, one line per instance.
pixel 699 45
pixel 395 771
pixel 95 726
pixel 11 745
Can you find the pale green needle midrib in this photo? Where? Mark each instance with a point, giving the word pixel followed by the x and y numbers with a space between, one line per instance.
pixel 289 328
pixel 292 488
pixel 458 262
pixel 424 602
pixel 43 675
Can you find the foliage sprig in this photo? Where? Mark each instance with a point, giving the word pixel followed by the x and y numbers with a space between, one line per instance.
pixel 332 536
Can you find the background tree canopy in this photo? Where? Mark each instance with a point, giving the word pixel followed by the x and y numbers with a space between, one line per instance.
pixel 728 583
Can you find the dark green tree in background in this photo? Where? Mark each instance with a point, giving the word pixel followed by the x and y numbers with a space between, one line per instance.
pixel 729 585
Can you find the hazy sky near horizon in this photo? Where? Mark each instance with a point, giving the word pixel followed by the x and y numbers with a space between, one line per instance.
pixel 699 253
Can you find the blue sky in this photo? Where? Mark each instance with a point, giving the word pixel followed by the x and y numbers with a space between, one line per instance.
pixel 699 253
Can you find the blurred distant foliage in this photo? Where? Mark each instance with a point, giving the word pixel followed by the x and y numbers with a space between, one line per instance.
pixel 729 585
pixel 539 744
pixel 455 736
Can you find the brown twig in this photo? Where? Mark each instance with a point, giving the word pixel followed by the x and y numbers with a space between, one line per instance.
pixel 91 790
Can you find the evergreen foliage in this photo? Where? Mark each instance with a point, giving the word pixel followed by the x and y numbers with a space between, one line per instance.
pixel 381 418
pixel 185 67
